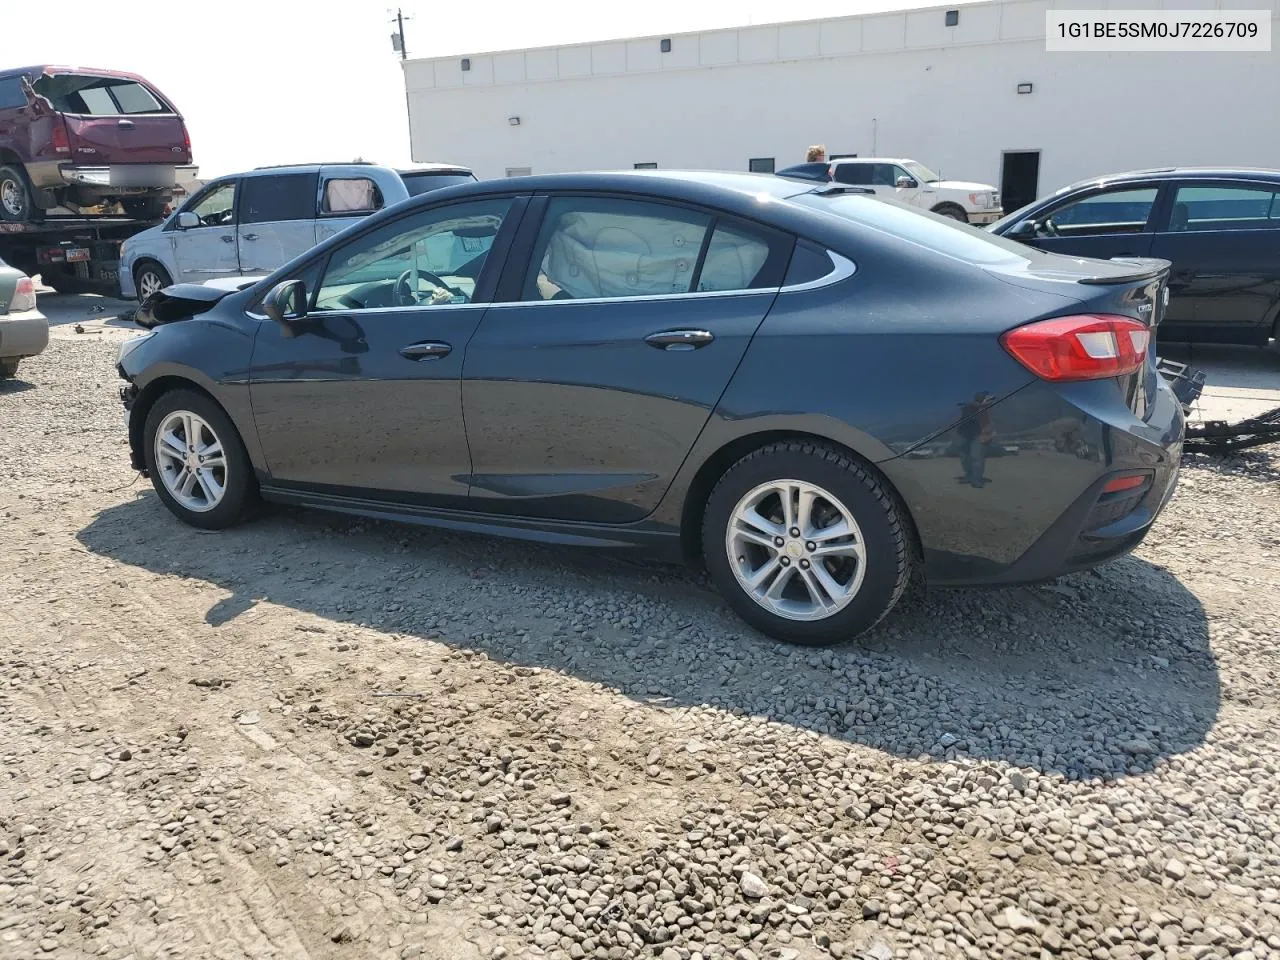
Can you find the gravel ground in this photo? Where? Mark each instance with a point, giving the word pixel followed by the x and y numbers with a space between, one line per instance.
pixel 313 737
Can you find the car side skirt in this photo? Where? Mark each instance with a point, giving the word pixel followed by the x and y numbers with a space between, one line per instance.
pixel 661 543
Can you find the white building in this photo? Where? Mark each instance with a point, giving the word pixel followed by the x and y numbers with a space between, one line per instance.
pixel 979 100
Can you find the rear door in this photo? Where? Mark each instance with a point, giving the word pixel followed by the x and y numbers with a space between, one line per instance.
pixel 209 250
pixel 345 198
pixel 116 120
pixel 623 321
pixel 1112 222
pixel 277 219
pixel 1223 239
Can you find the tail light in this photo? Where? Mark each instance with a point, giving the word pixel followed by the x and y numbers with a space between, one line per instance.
pixel 61 141
pixel 1089 347
pixel 186 142
pixel 24 297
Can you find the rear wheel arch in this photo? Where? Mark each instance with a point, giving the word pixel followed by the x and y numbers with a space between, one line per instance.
pixel 716 465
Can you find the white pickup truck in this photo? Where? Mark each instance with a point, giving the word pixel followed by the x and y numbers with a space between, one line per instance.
pixel 908 182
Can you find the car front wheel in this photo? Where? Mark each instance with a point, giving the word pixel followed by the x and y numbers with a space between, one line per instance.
pixel 148 278
pixel 806 543
pixel 15 194
pixel 197 461
pixel 952 211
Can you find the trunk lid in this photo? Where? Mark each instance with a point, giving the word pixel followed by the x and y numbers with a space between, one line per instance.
pixel 116 119
pixel 1133 287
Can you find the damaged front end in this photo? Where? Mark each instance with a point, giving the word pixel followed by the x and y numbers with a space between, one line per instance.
pixel 182 301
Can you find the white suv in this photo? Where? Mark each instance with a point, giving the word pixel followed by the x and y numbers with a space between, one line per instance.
pixel 909 182
pixel 250 223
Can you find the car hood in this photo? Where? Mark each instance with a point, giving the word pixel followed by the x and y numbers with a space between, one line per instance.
pixel 182 301
pixel 965 186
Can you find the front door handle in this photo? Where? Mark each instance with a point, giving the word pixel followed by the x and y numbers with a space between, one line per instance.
pixel 126 123
pixel 679 339
pixel 248 236
pixel 228 238
pixel 428 350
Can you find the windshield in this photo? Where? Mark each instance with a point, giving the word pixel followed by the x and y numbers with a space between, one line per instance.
pixel 921 172
pixel 420 183
pixel 940 234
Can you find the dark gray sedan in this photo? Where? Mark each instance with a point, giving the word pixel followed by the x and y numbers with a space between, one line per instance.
pixel 813 393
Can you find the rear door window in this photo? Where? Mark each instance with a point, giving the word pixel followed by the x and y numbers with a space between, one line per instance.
pixel 277 197
pixel 1225 208
pixel 11 93
pixel 858 174
pixel 346 196
pixel 93 96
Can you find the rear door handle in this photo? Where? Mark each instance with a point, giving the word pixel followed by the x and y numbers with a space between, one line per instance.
pixel 679 339
pixel 427 350
pixel 248 236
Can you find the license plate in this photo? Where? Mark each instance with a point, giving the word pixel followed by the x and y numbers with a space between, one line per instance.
pixel 77 255
pixel 109 274
pixel 143 175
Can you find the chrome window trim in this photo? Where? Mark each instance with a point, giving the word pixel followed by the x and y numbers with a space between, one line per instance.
pixel 842 269
pixel 365 311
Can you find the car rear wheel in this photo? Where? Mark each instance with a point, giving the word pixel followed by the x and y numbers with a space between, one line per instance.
pixel 148 278
pixel 15 194
pixel 8 368
pixel 806 543
pixel 197 461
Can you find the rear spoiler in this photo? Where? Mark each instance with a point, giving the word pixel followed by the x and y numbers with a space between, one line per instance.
pixel 1144 268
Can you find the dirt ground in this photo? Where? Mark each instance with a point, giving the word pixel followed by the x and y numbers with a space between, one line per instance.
pixel 313 737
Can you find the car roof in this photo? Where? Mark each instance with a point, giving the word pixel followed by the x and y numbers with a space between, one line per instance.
pixel 745 184
pixel 873 160
pixel 35 71
pixel 353 165
pixel 1177 173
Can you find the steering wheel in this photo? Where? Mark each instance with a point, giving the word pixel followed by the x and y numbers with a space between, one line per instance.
pixel 404 294
pixel 1049 227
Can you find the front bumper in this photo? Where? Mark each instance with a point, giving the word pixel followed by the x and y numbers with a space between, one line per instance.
pixel 23 334
pixel 983 217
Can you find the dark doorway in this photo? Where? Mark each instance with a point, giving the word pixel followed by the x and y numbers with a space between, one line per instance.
pixel 1019 179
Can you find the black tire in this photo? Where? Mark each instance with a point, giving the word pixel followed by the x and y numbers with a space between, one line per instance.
pixel 889 558
pixel 952 211
pixel 8 368
pixel 240 485
pixel 144 268
pixel 15 194
pixel 145 208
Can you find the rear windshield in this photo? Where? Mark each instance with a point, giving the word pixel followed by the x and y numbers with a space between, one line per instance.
pixel 85 94
pixel 941 234
pixel 420 183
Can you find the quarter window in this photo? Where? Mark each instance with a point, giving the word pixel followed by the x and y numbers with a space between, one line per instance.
pixel 428 259
pixel 1115 211
pixel 858 174
pixel 351 195
pixel 217 207
pixel 1225 208
pixel 276 197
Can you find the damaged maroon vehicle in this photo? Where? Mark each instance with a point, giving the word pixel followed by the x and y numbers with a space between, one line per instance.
pixel 82 138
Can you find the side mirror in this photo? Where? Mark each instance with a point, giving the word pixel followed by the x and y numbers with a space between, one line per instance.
pixel 1024 230
pixel 187 220
pixel 906 183
pixel 286 303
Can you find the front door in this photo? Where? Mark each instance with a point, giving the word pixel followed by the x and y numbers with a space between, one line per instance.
pixel 1224 242
pixel 365 399
pixel 1107 223
pixel 208 251
pixel 585 392
pixel 277 220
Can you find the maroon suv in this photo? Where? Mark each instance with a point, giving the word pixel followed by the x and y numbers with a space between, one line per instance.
pixel 78 138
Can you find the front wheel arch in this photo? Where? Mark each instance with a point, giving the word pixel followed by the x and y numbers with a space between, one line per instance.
pixel 952 210
pixel 715 466
pixel 142 262
pixel 147 398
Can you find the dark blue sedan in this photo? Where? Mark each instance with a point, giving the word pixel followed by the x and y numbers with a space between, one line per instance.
pixel 814 393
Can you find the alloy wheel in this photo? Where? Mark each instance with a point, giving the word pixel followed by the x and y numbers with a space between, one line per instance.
pixel 190 461
pixel 149 282
pixel 796 550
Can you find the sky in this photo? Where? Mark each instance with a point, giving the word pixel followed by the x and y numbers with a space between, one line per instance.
pixel 282 81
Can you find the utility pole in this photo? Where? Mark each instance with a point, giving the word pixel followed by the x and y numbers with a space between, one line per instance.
pixel 397 38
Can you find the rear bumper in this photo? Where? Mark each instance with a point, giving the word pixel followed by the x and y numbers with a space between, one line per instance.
pixel 23 334
pixel 986 518
pixel 60 173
